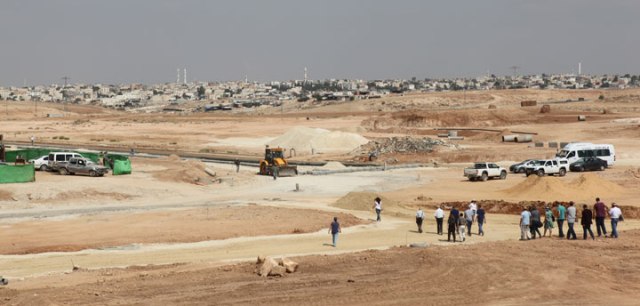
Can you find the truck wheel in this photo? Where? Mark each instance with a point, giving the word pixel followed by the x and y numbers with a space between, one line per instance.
pixel 601 167
pixel 93 173
pixel 43 168
pixel 471 178
pixel 562 172
pixel 540 172
pixel 521 170
pixel 503 175
pixel 63 171
pixel 484 177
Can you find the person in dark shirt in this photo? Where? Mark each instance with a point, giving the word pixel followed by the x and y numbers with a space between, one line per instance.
pixel 481 219
pixel 453 224
pixel 334 230
pixel 587 215
pixel 601 213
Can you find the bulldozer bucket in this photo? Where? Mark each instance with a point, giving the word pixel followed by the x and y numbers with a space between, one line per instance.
pixel 288 171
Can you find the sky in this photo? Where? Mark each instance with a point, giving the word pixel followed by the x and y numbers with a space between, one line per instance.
pixel 145 41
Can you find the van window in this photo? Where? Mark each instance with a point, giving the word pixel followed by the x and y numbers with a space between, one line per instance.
pixel 68 156
pixel 572 154
pixel 603 152
pixel 60 157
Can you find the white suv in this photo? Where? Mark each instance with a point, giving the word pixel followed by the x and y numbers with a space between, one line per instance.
pixel 549 167
pixel 57 158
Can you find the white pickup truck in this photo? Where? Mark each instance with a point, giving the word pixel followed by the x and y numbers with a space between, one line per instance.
pixel 549 167
pixel 484 171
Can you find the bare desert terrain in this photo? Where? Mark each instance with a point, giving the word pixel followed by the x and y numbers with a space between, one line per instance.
pixel 186 228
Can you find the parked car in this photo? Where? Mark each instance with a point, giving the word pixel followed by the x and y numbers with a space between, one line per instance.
pixel 548 167
pixel 483 171
pixel 589 164
pixel 521 166
pixel 41 163
pixel 80 165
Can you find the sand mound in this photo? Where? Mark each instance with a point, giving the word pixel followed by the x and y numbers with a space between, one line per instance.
pixel 189 171
pixel 584 188
pixel 304 139
pixel 635 173
pixel 592 181
pixel 334 165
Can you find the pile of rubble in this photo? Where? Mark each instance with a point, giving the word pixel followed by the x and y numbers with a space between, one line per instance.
pixel 267 266
pixel 402 145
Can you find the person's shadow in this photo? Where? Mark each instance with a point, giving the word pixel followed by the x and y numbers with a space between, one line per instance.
pixel 327 244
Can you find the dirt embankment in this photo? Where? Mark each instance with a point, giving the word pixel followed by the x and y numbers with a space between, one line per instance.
pixel 601 272
pixel 586 187
pixel 173 226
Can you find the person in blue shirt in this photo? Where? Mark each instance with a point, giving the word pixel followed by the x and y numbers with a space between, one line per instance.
pixel 481 219
pixel 334 230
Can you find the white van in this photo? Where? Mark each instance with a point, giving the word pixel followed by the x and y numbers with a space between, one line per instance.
pixel 56 158
pixel 577 150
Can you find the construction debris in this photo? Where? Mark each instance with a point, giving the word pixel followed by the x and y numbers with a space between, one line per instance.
pixel 402 145
pixel 267 266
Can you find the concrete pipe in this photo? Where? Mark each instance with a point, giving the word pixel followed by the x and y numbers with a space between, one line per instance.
pixel 509 138
pixel 523 138
pixel 453 133
pixel 582 118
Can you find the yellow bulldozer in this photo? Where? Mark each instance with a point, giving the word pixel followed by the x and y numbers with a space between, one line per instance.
pixel 274 161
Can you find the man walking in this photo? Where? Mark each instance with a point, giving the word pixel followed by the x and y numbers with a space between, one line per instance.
pixel 561 217
pixel 571 220
pixel 419 219
pixel 534 226
pixel 377 205
pixel 461 227
pixel 525 218
pixel 601 213
pixel 439 215
pixel 470 216
pixel 586 221
pixel 616 215
pixel 237 163
pixel 481 219
pixel 453 224
pixel 334 230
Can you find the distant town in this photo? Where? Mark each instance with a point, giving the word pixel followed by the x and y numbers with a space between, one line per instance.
pixel 221 96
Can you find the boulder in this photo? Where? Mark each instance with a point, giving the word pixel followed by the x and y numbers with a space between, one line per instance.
pixel 267 266
pixel 289 264
pixel 278 271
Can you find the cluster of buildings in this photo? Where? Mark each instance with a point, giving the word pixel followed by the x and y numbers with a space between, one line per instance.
pixel 235 94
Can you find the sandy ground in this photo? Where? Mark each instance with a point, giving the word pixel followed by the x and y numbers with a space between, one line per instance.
pixel 493 273
pixel 190 225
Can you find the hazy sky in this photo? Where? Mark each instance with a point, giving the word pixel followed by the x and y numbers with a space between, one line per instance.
pixel 123 41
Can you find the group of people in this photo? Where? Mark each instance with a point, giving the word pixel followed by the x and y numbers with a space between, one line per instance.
pixel 460 223
pixel 530 220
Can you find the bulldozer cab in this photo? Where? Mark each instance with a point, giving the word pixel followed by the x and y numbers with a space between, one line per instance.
pixel 273 153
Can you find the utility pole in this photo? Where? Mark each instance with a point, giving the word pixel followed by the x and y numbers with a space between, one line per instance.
pixel 64 93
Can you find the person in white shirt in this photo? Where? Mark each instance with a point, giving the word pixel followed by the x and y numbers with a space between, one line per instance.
pixel 439 215
pixel 419 219
pixel 473 206
pixel 616 215
pixel 377 205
